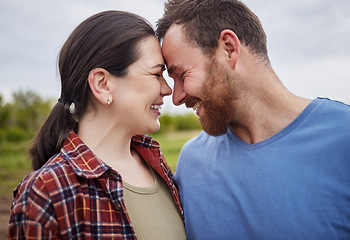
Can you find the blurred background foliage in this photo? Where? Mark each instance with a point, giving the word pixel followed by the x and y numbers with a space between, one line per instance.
pixel 22 116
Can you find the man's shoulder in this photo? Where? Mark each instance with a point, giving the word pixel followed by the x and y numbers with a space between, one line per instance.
pixel 334 105
pixel 333 112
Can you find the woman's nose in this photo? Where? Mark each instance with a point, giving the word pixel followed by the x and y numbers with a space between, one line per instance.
pixel 165 89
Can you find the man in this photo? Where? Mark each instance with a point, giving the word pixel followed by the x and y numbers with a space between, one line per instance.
pixel 270 165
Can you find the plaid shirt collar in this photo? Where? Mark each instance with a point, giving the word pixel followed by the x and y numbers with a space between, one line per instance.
pixel 85 163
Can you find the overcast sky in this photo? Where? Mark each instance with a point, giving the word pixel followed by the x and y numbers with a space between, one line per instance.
pixel 308 42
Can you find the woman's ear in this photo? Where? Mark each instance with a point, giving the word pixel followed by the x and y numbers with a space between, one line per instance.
pixel 98 81
pixel 230 43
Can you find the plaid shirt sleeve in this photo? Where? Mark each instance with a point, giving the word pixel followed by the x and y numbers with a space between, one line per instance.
pixel 50 206
pixel 33 215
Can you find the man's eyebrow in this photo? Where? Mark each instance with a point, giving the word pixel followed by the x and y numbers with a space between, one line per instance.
pixel 172 69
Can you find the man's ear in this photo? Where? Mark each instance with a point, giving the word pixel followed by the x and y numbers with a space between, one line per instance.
pixel 98 82
pixel 230 43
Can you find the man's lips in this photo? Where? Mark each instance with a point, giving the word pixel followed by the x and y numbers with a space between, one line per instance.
pixel 191 101
pixel 194 103
pixel 197 105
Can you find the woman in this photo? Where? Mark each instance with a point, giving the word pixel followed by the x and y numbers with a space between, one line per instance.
pixel 97 176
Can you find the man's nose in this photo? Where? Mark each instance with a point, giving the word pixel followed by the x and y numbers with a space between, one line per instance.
pixel 179 94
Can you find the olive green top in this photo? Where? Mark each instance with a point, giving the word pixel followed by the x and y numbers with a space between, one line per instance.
pixel 153 212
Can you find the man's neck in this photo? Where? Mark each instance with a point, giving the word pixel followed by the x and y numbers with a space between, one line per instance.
pixel 263 118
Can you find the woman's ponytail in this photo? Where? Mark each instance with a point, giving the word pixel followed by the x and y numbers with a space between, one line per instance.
pixel 54 131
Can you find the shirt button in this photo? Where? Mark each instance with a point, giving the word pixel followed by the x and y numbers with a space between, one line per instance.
pixel 118 206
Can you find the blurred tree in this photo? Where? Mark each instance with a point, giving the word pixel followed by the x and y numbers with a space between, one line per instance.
pixel 20 118
pixel 30 110
pixel 181 122
pixel 166 123
pixel 187 121
pixel 4 113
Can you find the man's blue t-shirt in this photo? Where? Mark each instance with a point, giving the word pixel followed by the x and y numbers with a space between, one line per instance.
pixel 294 185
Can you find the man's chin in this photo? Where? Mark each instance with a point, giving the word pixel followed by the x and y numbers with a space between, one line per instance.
pixel 213 129
pixel 215 133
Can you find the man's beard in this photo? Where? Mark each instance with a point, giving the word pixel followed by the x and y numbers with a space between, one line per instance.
pixel 217 105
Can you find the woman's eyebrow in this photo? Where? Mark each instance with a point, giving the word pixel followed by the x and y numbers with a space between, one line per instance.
pixel 160 65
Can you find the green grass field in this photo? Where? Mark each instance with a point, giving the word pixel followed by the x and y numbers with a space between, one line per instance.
pixel 171 144
pixel 14 166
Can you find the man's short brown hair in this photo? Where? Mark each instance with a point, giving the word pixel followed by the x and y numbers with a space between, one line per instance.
pixel 204 20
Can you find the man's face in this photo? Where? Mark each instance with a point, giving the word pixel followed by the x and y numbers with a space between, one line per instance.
pixel 199 82
pixel 186 64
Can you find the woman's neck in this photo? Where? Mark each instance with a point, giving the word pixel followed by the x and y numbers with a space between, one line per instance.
pixel 112 144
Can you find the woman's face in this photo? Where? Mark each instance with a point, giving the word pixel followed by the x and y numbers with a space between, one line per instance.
pixel 138 96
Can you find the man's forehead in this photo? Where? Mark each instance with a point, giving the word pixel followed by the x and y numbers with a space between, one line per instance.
pixel 175 30
pixel 173 40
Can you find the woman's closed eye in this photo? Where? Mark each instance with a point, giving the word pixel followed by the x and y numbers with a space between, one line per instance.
pixel 159 74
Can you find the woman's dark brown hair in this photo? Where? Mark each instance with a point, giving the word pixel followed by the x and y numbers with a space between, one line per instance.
pixel 105 40
pixel 204 20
